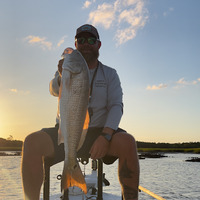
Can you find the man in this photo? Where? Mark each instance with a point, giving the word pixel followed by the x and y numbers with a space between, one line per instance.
pixel 104 139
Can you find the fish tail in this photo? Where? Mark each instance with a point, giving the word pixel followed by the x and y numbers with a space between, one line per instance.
pixel 73 177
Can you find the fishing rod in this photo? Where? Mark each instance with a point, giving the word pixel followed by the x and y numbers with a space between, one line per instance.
pixel 151 193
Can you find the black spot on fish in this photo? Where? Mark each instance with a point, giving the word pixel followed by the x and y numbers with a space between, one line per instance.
pixel 75 166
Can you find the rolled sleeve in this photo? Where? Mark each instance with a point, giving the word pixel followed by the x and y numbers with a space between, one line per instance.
pixel 115 102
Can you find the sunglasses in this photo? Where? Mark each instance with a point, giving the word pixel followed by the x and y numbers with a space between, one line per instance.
pixel 90 40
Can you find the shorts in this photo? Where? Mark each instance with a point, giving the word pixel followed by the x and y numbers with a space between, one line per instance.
pixel 83 152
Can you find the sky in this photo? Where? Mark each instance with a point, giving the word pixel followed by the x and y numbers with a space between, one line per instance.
pixel 153 44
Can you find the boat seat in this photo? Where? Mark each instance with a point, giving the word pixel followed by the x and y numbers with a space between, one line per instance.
pixel 46 183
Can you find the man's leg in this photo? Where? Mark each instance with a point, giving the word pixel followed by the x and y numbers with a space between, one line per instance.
pixel 123 146
pixel 35 146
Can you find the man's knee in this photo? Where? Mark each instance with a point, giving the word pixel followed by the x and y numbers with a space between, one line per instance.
pixel 38 143
pixel 123 143
pixel 129 142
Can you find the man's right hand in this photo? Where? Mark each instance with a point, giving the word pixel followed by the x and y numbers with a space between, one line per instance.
pixel 60 63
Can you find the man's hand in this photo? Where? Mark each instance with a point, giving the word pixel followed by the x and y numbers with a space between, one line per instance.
pixel 60 63
pixel 68 50
pixel 100 148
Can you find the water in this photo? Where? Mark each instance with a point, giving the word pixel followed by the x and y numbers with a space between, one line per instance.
pixel 171 178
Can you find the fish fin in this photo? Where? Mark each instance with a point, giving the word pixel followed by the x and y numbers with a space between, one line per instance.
pixel 82 139
pixel 87 121
pixel 73 177
pixel 84 131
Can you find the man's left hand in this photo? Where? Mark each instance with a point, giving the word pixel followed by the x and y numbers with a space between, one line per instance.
pixel 60 63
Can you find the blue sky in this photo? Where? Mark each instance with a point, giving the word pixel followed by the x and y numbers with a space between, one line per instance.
pixel 153 44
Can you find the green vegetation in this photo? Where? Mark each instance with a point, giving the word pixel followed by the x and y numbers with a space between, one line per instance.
pixel 190 147
pixel 168 145
pixel 10 144
pixel 10 148
pixel 170 150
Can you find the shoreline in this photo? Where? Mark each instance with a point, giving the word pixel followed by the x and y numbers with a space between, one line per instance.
pixel 9 153
pixel 140 150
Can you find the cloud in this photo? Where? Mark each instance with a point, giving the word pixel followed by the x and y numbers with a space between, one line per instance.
pixel 43 43
pixel 21 92
pixel 13 90
pixel 62 40
pixel 175 84
pixel 36 40
pixel 127 16
pixel 166 13
pixel 182 81
pixel 104 15
pixel 87 4
pixel 156 87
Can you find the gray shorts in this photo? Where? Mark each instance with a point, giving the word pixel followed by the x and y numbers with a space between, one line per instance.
pixel 92 135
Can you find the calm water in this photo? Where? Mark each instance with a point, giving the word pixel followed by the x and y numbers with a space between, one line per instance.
pixel 169 177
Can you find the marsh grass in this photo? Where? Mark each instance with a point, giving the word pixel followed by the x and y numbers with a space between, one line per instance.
pixel 166 150
pixel 10 148
pixel 170 150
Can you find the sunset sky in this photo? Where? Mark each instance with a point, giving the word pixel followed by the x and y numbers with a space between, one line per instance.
pixel 153 44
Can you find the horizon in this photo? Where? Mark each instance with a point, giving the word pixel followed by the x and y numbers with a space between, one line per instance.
pixel 13 139
pixel 153 44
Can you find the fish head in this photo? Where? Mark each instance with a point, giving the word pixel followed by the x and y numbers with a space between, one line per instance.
pixel 68 50
pixel 74 61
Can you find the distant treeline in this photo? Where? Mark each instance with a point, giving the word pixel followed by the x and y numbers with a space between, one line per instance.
pixel 18 143
pixel 10 143
pixel 168 145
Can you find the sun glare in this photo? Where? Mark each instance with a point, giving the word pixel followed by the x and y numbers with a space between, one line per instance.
pixel 3 132
pixel 1 128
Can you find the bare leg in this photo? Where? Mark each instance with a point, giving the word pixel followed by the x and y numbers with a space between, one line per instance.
pixel 124 146
pixel 35 146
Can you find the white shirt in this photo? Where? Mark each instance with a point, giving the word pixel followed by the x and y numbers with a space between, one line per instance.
pixel 106 101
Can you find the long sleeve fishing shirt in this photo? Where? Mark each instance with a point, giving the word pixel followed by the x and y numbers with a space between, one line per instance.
pixel 106 98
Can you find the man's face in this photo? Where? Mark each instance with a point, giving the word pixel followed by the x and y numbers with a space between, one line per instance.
pixel 89 51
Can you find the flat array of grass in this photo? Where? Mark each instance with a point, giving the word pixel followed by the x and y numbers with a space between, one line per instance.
pixel 165 150
pixel 10 148
pixel 170 150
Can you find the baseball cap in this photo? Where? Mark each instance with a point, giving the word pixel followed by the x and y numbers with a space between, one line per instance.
pixel 87 28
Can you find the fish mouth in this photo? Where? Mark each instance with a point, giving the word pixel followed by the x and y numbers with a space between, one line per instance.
pixel 68 50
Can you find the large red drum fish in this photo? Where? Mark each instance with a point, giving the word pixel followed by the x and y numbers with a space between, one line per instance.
pixel 74 118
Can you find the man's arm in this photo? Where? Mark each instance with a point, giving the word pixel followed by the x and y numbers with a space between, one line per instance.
pixel 55 82
pixel 115 108
pixel 115 104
